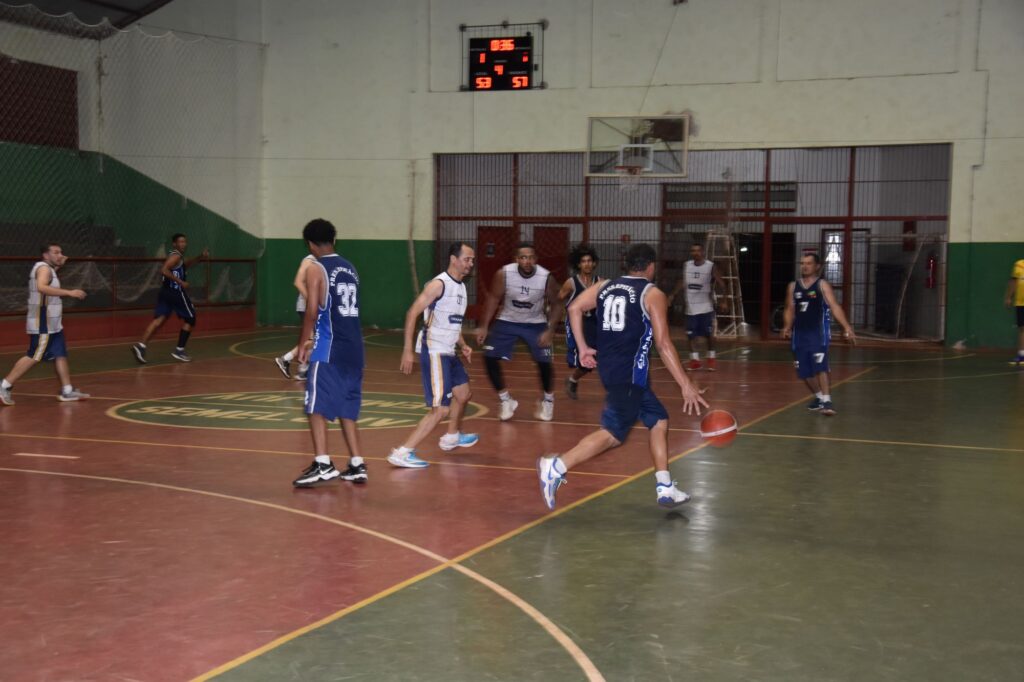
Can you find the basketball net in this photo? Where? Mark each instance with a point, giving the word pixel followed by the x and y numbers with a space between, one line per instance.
pixel 629 177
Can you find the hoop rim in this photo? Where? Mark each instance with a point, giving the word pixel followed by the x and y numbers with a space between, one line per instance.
pixel 628 169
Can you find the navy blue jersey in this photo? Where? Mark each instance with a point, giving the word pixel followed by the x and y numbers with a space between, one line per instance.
pixel 178 270
pixel 624 332
pixel 811 327
pixel 578 288
pixel 338 337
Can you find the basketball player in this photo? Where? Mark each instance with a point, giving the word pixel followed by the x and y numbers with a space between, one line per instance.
pixel 630 310
pixel 698 276
pixel 583 260
pixel 284 362
pixel 45 326
pixel 525 289
pixel 334 385
pixel 810 303
pixel 1015 297
pixel 173 298
pixel 442 305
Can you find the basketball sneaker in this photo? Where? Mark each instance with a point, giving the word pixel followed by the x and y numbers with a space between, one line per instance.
pixel 572 388
pixel 356 474
pixel 284 366
pixel 407 460
pixel 815 404
pixel 670 496
pixel 180 354
pixel 550 479
pixel 546 410
pixel 508 408
pixel 692 366
pixel 711 365
pixel 140 353
pixel 316 474
pixel 450 441
pixel 5 396
pixel 303 372
pixel 827 409
pixel 72 395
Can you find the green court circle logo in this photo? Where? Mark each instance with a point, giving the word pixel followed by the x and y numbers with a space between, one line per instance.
pixel 270 411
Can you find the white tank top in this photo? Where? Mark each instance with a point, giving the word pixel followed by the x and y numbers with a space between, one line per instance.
pixel 698 287
pixel 36 324
pixel 300 302
pixel 442 320
pixel 524 296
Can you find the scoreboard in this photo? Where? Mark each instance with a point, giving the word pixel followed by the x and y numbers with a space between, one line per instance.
pixel 501 63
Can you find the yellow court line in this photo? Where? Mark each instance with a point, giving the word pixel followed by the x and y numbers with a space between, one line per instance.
pixel 556 633
pixel 221 448
pixel 868 441
pixel 959 376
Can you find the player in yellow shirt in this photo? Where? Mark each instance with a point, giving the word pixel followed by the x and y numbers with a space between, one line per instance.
pixel 1015 297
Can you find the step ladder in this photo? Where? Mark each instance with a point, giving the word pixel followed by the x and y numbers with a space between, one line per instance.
pixel 720 249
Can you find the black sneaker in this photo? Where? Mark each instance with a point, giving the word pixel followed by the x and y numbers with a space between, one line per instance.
pixel 284 366
pixel 572 388
pixel 356 474
pixel 315 474
pixel 139 351
pixel 827 409
pixel 815 404
pixel 180 354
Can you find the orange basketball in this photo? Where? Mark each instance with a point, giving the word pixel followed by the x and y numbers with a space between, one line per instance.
pixel 718 428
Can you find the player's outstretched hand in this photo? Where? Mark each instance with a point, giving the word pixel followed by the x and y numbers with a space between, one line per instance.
pixel 588 358
pixel 78 294
pixel 407 361
pixel 545 339
pixel 467 353
pixel 850 336
pixel 305 349
pixel 786 332
pixel 481 335
pixel 693 399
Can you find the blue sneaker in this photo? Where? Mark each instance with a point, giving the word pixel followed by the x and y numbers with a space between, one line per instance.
pixel 550 480
pixel 1017 360
pixel 815 404
pixel 407 460
pixel 450 441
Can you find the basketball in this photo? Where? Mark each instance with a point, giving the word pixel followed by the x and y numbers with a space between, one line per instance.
pixel 718 428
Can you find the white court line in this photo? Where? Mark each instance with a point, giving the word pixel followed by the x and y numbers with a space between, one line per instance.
pixel 32 454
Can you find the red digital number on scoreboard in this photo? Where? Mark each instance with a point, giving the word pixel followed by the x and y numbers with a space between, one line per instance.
pixel 503 45
pixel 520 82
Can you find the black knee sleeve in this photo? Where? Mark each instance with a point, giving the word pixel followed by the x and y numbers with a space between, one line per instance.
pixel 493 366
pixel 547 375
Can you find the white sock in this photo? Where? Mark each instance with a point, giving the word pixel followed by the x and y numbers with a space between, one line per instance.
pixel 355 461
pixel 179 348
pixel 142 344
pixel 1020 353
pixel 574 380
pixel 66 388
pixel 559 466
pixel 452 436
pixel 826 398
pixel 6 384
pixel 402 450
pixel 695 356
pixel 504 395
pixel 549 397
pixel 663 477
pixel 323 459
pixel 819 395
pixel 711 354
pixel 289 356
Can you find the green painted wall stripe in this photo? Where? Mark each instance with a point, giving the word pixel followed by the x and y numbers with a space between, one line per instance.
pixel 976 275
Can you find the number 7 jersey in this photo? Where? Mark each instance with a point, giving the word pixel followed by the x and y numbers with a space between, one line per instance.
pixel 338 338
pixel 624 332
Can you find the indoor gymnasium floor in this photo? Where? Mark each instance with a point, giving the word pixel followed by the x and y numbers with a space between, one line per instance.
pixel 152 532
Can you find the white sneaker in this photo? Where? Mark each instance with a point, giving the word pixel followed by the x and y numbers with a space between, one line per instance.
pixel 508 408
pixel 72 395
pixel 670 496
pixel 451 441
pixel 545 411
pixel 5 396
pixel 407 460
pixel 550 479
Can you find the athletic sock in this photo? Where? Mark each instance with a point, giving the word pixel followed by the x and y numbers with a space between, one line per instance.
pixel 819 395
pixel 663 477
pixel 695 356
pixel 66 388
pixel 826 398
pixel 289 356
pixel 504 395
pixel 711 354
pixel 323 459
pixel 355 461
pixel 182 339
pixel 6 384
pixel 402 450
pixel 142 345
pixel 574 380
pixel 549 397
pixel 559 466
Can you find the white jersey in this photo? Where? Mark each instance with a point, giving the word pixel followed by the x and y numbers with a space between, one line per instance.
pixel 442 320
pixel 698 287
pixel 52 322
pixel 524 296
pixel 300 302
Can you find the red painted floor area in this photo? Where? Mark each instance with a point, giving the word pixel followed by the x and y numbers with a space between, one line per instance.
pixel 106 579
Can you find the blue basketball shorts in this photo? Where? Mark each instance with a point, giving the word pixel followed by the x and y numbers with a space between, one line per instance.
pixel 441 374
pixel 702 324
pixel 572 356
pixel 810 361
pixel 175 301
pixel 334 391
pixel 624 404
pixel 47 347
pixel 503 336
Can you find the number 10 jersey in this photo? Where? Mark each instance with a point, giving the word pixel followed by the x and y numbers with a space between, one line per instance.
pixel 338 338
pixel 624 332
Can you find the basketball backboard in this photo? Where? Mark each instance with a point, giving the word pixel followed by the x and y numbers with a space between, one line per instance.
pixel 655 144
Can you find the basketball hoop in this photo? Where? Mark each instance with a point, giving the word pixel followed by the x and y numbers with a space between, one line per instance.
pixel 629 177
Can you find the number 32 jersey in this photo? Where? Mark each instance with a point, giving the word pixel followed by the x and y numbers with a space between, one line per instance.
pixel 624 332
pixel 338 338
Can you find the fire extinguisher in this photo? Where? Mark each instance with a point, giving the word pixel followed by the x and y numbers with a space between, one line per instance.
pixel 930 267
